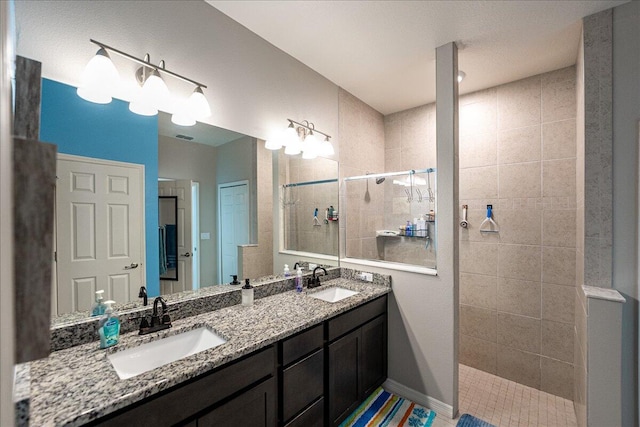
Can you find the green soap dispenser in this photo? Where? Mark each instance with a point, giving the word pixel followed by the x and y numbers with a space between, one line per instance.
pixel 98 307
pixel 109 327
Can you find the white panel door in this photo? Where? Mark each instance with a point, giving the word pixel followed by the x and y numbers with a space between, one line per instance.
pixel 99 231
pixel 234 227
pixel 181 189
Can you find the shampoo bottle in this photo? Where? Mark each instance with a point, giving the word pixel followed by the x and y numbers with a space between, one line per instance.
pixel 287 272
pixel 98 307
pixel 247 293
pixel 299 279
pixel 109 327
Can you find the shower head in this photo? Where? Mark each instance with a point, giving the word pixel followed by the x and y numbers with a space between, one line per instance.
pixel 380 180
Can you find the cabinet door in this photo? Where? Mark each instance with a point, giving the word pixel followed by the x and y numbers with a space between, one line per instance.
pixel 374 355
pixel 255 407
pixel 344 363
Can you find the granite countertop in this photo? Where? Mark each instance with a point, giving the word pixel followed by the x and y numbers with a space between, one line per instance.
pixel 78 384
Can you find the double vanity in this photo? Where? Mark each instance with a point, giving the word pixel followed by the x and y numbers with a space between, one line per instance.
pixel 294 359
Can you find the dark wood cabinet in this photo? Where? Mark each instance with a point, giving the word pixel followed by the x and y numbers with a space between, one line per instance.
pixel 255 407
pixel 357 361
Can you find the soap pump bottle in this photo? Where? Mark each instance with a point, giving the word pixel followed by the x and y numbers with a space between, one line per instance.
pixel 287 272
pixel 247 293
pixel 109 327
pixel 299 279
pixel 235 279
pixel 98 307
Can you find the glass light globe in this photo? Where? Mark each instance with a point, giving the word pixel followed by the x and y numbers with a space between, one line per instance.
pixel 272 144
pixel 293 147
pixel 199 105
pixel 155 91
pixel 140 106
pixel 99 79
pixel 326 148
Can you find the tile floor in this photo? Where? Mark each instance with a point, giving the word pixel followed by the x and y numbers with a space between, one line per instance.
pixel 505 403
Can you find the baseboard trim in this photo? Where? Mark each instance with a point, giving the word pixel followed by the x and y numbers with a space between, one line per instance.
pixel 419 398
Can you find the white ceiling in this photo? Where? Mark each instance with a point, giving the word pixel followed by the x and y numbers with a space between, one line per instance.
pixel 383 52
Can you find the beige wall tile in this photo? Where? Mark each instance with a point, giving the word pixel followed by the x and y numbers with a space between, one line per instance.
pixel 519 262
pixel 485 95
pixel 478 149
pixel 479 258
pixel 479 183
pixel 478 117
pixel 478 323
pixel 477 353
pixel 415 157
pixel 519 332
pixel 558 100
pixel 519 297
pixel 393 160
pixel 559 140
pixel 559 266
pixel 519 226
pixel 559 228
pixel 556 378
pixel 558 303
pixel 519 366
pixel 392 131
pixel 559 178
pixel 561 75
pixel 519 145
pixel 519 103
pixel 557 340
pixel 519 180
pixel 478 290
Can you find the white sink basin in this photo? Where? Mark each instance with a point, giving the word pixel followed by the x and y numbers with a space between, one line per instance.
pixel 137 360
pixel 333 294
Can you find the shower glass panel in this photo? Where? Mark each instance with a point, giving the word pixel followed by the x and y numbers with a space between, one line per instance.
pixel 390 217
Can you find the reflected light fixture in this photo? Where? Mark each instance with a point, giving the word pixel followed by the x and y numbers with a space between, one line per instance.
pixel 100 79
pixel 461 75
pixel 301 137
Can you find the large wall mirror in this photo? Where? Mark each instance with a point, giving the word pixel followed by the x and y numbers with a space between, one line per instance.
pixel 187 164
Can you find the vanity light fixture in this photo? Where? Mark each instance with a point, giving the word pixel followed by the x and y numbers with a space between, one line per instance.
pixel 461 75
pixel 301 137
pixel 100 79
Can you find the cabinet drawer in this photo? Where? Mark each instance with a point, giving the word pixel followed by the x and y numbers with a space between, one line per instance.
pixel 355 318
pixel 254 407
pixel 302 344
pixel 313 416
pixel 302 383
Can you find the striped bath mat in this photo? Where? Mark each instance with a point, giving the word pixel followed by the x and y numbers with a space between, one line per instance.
pixel 385 409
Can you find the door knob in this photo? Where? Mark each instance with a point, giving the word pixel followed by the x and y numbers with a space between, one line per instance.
pixel 130 267
pixel 186 254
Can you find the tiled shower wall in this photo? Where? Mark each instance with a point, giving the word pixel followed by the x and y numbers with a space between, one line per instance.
pixel 361 151
pixel 517 152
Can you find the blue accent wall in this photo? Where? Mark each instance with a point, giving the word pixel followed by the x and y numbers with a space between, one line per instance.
pixel 109 132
